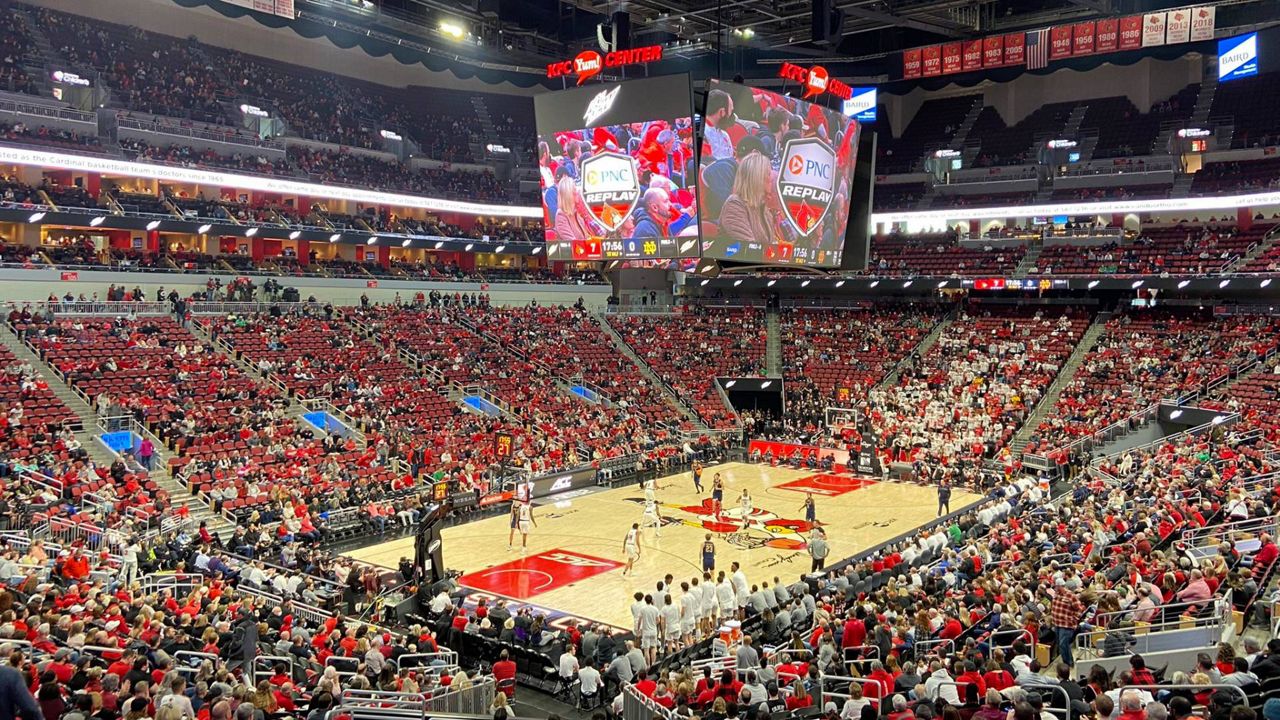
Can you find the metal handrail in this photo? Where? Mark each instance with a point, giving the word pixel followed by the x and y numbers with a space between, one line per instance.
pixel 1188 686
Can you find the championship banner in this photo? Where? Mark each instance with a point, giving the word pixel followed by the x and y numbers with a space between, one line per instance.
pixel 1059 42
pixel 1177 26
pixel 993 51
pixel 1082 35
pixel 1015 48
pixel 1203 23
pixel 1153 25
pixel 1130 33
pixel 1106 35
pixel 972 55
pixel 932 60
pixel 911 63
pixel 951 62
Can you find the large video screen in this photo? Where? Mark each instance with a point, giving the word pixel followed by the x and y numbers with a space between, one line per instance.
pixel 618 168
pixel 774 177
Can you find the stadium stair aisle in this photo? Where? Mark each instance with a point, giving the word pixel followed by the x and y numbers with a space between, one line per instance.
pixel 773 343
pixel 891 378
pixel 103 457
pixel 648 372
pixel 1065 376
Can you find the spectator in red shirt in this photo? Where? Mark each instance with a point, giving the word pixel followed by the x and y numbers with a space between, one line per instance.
pixel 504 670
pixel 1141 675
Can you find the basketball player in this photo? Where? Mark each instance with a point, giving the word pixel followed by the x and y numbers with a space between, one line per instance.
pixel 690 604
pixel 745 503
pixel 717 496
pixel 706 603
pixel 631 546
pixel 526 522
pixel 810 510
pixel 651 517
pixel 726 597
pixel 697 477
pixel 515 521
pixel 708 554
pixel 670 624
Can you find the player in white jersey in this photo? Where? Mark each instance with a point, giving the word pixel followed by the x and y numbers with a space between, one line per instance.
pixel 649 617
pixel 651 517
pixel 745 503
pixel 690 606
pixel 526 522
pixel 631 546
pixel 709 604
pixel 670 624
pixel 726 597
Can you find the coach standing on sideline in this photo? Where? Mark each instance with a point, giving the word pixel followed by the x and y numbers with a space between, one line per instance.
pixel 944 497
pixel 818 549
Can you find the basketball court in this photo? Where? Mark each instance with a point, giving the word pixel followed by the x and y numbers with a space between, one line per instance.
pixel 575 556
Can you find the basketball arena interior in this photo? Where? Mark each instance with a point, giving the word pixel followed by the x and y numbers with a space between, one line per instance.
pixel 639 359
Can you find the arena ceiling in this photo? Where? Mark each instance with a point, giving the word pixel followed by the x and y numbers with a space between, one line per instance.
pixel 530 32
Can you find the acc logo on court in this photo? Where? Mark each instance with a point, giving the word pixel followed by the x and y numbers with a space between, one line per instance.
pixel 575 560
pixel 610 187
pixel 806 182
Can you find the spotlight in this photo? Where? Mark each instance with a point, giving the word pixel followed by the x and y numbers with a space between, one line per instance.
pixel 452 29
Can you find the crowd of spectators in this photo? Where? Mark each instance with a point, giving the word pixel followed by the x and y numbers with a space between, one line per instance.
pixel 1144 357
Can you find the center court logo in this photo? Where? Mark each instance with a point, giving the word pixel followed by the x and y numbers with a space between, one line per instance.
pixel 806 182
pixel 610 188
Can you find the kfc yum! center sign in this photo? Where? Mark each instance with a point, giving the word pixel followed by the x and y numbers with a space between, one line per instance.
pixel 589 63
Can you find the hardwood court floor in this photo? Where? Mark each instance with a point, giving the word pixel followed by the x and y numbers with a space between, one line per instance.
pixel 575 555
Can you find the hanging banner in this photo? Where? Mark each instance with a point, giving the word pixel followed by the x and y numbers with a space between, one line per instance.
pixel 1059 42
pixel 1177 26
pixel 993 51
pixel 1130 33
pixel 973 55
pixel 911 63
pixel 951 62
pixel 931 62
pixel 1106 35
pixel 1203 23
pixel 1015 48
pixel 1082 35
pixel 1153 25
